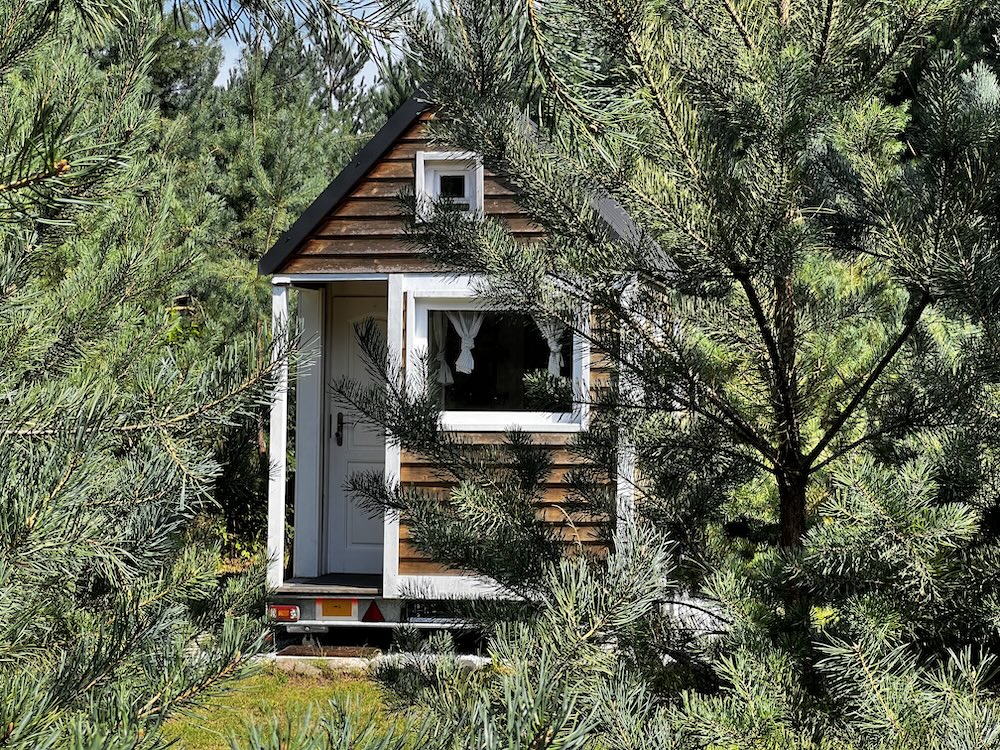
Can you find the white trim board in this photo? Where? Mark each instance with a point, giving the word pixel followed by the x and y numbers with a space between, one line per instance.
pixel 390 541
pixel 278 443
pixel 445 587
pixel 427 292
pixel 307 278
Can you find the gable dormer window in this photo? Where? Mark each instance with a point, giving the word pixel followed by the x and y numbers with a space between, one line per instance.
pixel 455 178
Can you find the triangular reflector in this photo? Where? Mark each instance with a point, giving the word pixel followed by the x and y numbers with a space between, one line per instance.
pixel 374 614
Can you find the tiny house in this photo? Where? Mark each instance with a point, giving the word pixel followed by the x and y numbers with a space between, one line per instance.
pixel 348 261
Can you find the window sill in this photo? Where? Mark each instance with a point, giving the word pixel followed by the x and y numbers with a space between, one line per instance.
pixel 501 421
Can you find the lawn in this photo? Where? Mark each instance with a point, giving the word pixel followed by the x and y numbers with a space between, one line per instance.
pixel 270 695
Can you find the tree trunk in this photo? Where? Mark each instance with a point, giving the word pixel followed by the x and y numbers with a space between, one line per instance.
pixel 791 475
pixel 792 508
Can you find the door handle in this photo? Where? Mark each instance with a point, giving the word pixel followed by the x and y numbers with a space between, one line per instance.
pixel 339 434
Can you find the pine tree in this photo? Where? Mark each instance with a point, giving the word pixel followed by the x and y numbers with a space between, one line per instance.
pixel 114 615
pixel 262 146
pixel 803 324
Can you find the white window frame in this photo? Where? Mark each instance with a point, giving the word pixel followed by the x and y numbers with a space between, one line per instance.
pixel 432 292
pixel 431 164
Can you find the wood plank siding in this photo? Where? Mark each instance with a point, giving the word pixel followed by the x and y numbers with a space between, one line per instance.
pixel 575 528
pixel 364 233
pixel 415 471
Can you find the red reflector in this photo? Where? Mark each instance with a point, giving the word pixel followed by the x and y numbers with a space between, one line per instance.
pixel 374 614
pixel 283 613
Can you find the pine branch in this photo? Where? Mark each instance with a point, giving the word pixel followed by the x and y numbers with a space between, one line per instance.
pixel 825 34
pixel 737 20
pixel 172 423
pixel 778 368
pixel 900 40
pixel 58 169
pixel 559 87
pixel 661 106
pixel 913 318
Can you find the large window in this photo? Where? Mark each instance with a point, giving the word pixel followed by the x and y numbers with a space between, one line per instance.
pixel 494 369
pixel 500 361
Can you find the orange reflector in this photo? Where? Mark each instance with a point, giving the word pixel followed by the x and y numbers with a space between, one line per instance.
pixel 336 607
pixel 374 614
pixel 283 613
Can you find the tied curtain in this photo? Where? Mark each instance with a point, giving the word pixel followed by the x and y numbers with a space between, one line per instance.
pixel 440 334
pixel 467 324
pixel 552 331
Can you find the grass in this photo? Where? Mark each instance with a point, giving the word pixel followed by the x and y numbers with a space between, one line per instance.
pixel 267 696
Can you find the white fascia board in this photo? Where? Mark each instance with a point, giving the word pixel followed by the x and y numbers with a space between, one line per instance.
pixel 625 471
pixel 500 421
pixel 303 278
pixel 443 285
pixel 448 587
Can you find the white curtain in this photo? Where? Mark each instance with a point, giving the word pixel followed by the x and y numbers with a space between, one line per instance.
pixel 467 326
pixel 440 337
pixel 552 330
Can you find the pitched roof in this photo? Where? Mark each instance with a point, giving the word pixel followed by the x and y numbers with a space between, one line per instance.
pixel 342 184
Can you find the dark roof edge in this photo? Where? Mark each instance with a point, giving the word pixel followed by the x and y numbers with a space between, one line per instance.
pixel 342 184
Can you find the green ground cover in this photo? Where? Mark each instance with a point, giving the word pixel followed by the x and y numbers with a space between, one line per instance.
pixel 269 695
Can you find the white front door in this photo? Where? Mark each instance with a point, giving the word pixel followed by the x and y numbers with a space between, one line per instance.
pixel 354 534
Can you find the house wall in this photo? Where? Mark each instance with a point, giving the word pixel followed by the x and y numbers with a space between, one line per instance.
pixel 364 233
pixel 417 472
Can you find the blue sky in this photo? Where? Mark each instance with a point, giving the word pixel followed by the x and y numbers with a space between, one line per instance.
pixel 230 56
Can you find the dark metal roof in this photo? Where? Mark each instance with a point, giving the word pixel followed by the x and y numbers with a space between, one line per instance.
pixel 342 184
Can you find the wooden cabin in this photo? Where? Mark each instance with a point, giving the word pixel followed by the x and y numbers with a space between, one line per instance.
pixel 347 260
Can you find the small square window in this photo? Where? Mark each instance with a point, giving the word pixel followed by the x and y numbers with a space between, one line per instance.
pixel 451 186
pixel 455 179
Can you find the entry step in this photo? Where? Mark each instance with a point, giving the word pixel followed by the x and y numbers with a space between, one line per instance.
pixel 332 584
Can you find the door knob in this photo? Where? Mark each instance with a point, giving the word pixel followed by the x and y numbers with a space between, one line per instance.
pixel 339 434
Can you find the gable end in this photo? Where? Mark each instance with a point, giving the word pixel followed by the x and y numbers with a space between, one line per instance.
pixel 336 191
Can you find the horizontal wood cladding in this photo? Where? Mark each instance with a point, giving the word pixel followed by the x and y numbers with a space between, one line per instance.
pixel 365 232
pixel 585 530
pixel 587 537
pixel 432 476
pixel 370 208
pixel 423 567
pixel 576 529
pixel 388 226
pixel 356 264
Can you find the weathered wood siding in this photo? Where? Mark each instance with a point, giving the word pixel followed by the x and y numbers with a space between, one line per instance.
pixel 578 530
pixel 364 233
pixel 417 472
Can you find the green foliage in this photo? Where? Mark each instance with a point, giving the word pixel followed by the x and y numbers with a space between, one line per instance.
pixel 544 391
pixel 800 313
pixel 113 614
pixel 255 152
pixel 489 522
